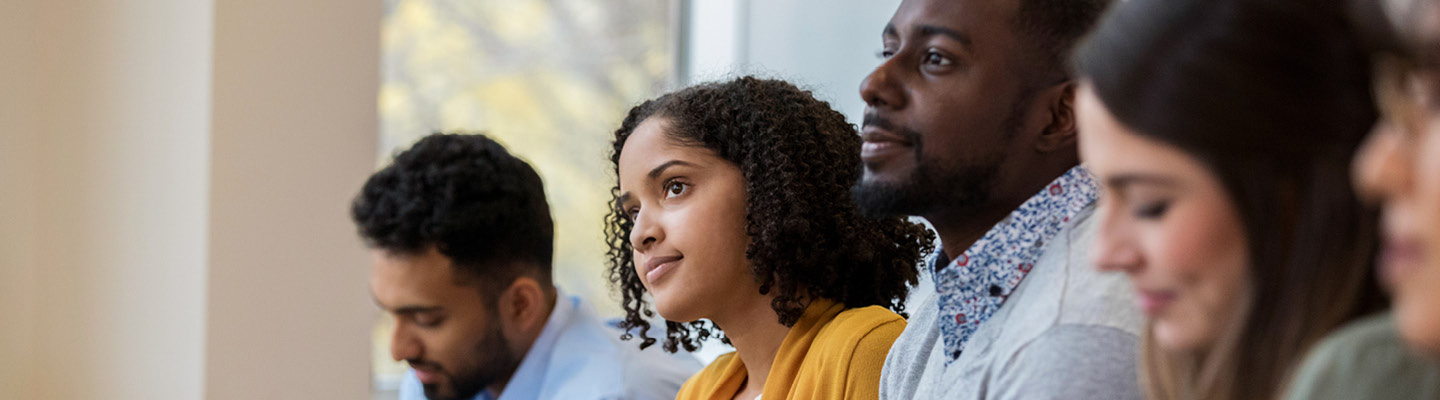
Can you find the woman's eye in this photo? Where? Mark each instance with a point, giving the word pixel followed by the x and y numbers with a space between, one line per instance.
pixel 673 189
pixel 1153 210
pixel 633 213
pixel 885 54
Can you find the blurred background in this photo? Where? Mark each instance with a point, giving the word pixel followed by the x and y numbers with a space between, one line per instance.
pixel 175 174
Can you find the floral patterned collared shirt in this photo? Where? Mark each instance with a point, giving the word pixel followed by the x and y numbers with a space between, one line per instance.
pixel 975 284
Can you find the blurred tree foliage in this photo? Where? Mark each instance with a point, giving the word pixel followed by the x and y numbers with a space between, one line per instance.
pixel 551 79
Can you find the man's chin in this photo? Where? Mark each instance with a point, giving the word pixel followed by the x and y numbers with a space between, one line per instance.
pixel 876 176
pixel 894 170
pixel 433 391
pixel 879 196
pixel 436 391
pixel 891 175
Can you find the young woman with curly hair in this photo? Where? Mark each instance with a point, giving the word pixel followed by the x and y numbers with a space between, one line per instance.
pixel 732 211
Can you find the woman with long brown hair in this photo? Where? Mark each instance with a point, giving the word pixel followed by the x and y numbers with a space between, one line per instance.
pixel 1222 132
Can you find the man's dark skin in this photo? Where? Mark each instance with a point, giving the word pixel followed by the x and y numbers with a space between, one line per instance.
pixel 965 119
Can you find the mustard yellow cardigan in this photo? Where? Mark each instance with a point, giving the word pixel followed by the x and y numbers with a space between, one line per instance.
pixel 830 353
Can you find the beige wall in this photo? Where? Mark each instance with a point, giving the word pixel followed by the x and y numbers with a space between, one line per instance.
pixel 173 183
pixel 123 154
pixel 19 141
pixel 295 131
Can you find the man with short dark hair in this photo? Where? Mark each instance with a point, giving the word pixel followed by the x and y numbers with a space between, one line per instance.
pixel 462 243
pixel 970 125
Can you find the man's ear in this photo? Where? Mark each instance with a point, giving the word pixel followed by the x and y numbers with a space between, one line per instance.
pixel 524 306
pixel 1059 133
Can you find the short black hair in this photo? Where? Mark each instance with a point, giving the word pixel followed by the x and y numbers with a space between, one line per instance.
pixel 1050 29
pixel 468 197
pixel 799 158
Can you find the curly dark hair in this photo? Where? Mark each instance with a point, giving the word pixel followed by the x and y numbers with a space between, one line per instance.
pixel 466 195
pixel 799 159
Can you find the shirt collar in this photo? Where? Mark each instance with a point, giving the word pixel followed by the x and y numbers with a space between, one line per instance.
pixel 1031 225
pixel 529 377
pixel 974 285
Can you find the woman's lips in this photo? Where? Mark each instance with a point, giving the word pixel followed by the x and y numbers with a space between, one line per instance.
pixel 1152 302
pixel 1399 258
pixel 659 266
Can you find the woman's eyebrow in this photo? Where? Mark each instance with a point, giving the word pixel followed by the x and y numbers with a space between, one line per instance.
pixel 655 173
pixel 1123 180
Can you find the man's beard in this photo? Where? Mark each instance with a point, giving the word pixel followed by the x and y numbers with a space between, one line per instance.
pixel 494 362
pixel 929 189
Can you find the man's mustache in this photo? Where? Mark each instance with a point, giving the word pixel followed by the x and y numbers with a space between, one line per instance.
pixel 874 119
pixel 423 364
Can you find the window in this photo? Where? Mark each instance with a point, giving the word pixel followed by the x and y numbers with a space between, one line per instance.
pixel 550 79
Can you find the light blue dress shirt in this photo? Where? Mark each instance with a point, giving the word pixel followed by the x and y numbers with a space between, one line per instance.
pixel 578 357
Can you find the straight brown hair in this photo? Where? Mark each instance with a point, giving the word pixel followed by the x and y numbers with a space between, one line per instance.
pixel 1273 97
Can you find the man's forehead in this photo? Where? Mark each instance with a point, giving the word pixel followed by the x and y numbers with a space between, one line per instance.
pixel 411 278
pixel 424 264
pixel 957 15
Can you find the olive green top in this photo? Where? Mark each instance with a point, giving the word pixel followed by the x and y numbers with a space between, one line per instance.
pixel 1365 360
